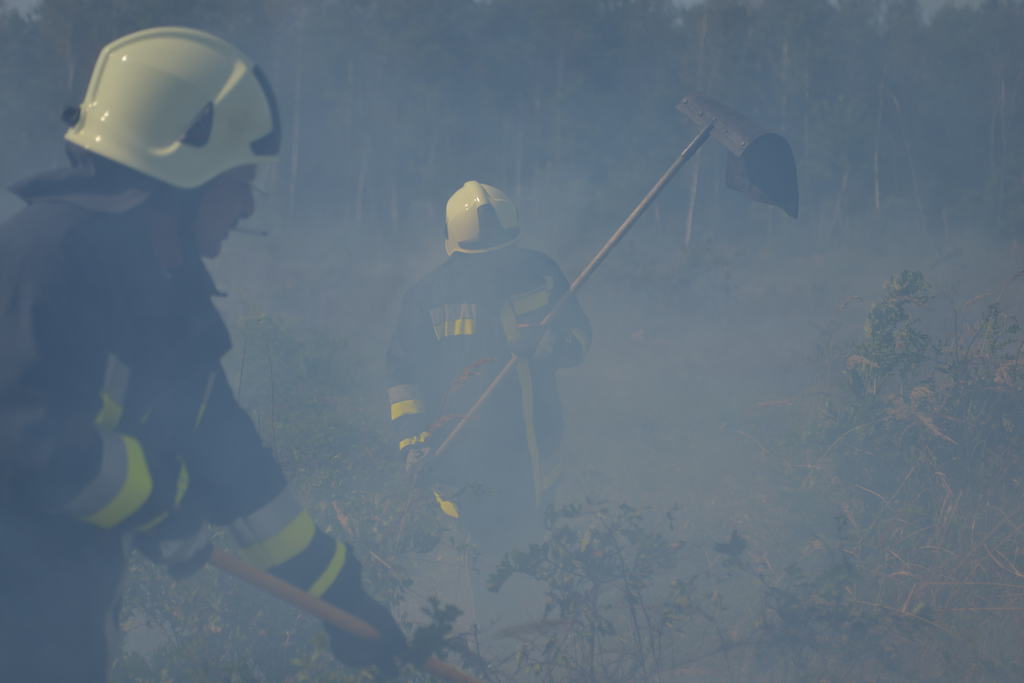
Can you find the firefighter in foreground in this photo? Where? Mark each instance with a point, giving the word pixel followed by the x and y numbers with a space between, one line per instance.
pixel 457 327
pixel 117 425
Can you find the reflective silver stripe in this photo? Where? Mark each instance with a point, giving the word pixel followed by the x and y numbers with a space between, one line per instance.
pixel 460 311
pixel 582 337
pixel 453 319
pixel 108 481
pixel 116 379
pixel 403 392
pixel 206 399
pixel 181 550
pixel 437 319
pixel 268 521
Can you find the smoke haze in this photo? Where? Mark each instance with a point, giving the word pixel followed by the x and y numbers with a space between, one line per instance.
pixel 722 329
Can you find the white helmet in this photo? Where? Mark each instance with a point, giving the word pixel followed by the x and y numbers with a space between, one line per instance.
pixel 178 105
pixel 479 218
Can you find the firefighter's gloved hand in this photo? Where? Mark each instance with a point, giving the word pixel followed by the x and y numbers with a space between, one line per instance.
pixel 416 459
pixel 534 343
pixel 181 543
pixel 383 652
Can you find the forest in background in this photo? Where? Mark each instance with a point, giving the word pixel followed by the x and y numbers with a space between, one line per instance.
pixel 897 123
pixel 874 423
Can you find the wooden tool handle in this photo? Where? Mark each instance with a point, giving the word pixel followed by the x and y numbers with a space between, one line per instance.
pixel 349 623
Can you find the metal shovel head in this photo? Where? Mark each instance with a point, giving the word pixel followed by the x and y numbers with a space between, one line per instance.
pixel 760 163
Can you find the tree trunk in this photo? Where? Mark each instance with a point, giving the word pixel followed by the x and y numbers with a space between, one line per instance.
pixel 878 147
pixel 293 171
pixel 691 211
pixel 695 177
pixel 910 160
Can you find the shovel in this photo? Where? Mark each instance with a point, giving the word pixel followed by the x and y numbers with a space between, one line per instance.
pixel 760 165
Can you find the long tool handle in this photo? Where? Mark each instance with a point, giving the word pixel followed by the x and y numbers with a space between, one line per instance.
pixel 236 566
pixel 616 237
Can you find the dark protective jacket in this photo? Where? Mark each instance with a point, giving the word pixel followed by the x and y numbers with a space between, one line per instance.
pixel 456 330
pixel 115 419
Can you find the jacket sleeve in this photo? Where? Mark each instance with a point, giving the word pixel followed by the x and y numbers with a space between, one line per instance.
pixel 57 454
pixel 570 326
pixel 240 485
pixel 411 346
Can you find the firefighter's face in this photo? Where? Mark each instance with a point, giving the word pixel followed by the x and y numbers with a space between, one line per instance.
pixel 225 201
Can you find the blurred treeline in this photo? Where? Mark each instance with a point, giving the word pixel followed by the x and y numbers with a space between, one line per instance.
pixel 898 120
pixel 904 127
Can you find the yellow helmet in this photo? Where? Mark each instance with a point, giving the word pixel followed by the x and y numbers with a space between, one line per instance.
pixel 178 105
pixel 479 218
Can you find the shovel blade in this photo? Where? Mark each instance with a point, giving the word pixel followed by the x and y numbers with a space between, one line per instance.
pixel 760 163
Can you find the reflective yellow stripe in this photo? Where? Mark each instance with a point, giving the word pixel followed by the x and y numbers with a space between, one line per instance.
pixel 550 475
pixel 526 389
pixel 284 545
pixel 410 407
pixel 179 494
pixel 110 414
pixel 183 481
pixel 266 521
pixel 509 323
pixel 138 484
pixel 582 338
pixel 422 438
pixel 528 303
pixel 153 522
pixel 447 507
pixel 321 585
pixel 457 327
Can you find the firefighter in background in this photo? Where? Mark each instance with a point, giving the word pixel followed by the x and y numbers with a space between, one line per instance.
pixel 456 329
pixel 117 425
